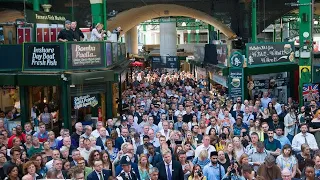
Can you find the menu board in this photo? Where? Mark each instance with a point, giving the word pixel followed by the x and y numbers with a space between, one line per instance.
pixel 270 53
pixel 236 82
pixel 85 55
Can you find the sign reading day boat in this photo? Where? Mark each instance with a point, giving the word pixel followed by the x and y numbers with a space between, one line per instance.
pixel 43 56
pixel 85 55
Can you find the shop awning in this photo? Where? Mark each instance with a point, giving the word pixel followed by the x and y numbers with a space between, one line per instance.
pixel 91 77
pixel 271 69
pixel 8 80
pixel 39 79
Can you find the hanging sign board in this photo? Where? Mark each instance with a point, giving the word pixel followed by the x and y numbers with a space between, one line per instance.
pixel 85 55
pixel 46 17
pixel 84 101
pixel 156 62
pixel 171 62
pixel 43 56
pixel 266 54
pixel 235 83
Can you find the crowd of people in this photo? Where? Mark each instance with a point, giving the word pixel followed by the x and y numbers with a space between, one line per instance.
pixel 172 127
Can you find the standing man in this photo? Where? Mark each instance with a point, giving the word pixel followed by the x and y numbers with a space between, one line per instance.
pixel 304 138
pixel 213 170
pixel 66 33
pixel 127 172
pixel 169 169
pixel 77 33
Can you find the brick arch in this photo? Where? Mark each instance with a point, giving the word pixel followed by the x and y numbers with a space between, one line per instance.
pixel 132 17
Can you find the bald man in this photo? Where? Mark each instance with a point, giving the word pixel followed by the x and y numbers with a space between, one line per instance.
pixel 286 174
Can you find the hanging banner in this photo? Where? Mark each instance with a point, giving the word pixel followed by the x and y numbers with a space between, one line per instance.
pixel 115 52
pixel 264 54
pixel 109 54
pixel 38 56
pixel 85 55
pixel 84 101
pixel 235 83
pixel 222 54
pixel 157 62
pixel 172 62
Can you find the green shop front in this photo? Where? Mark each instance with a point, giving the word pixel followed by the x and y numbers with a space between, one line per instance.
pixel 72 79
pixel 266 67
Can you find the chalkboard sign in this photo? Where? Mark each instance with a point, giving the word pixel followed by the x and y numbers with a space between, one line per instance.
pixel 43 56
pixel 270 53
pixel 236 83
pixel 171 62
pixel 85 55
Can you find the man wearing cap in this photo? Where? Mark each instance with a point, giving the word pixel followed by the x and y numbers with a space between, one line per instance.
pixel 66 33
pixel 99 173
pixel 213 170
pixel 269 170
pixel 127 173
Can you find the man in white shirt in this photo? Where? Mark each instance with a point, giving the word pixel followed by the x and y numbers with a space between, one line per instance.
pixel 87 133
pixel 206 146
pixel 277 106
pixel 87 149
pixel 96 133
pixel 180 111
pixel 247 116
pixel 265 100
pixel 165 131
pixel 213 125
pixel 153 140
pixel 304 138
pixel 55 155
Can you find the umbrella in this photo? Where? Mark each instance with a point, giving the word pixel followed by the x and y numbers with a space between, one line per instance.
pixel 137 63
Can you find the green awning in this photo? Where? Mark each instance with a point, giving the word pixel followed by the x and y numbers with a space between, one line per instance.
pixel 8 80
pixel 91 77
pixel 39 79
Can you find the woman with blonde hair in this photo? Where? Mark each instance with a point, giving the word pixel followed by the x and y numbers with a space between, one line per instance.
pixel 144 167
pixel 230 153
pixel 238 148
pixel 202 159
pixel 189 139
pixel 97 34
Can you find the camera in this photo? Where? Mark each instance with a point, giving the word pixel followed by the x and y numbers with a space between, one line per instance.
pixel 199 172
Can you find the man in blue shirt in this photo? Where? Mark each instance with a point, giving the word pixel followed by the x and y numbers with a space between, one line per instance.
pixel 272 145
pixel 280 137
pixel 213 170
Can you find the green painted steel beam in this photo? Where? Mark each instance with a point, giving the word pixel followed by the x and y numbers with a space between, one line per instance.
pixel 254 21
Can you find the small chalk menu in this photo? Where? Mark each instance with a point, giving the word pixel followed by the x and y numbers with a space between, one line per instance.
pixel 270 53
